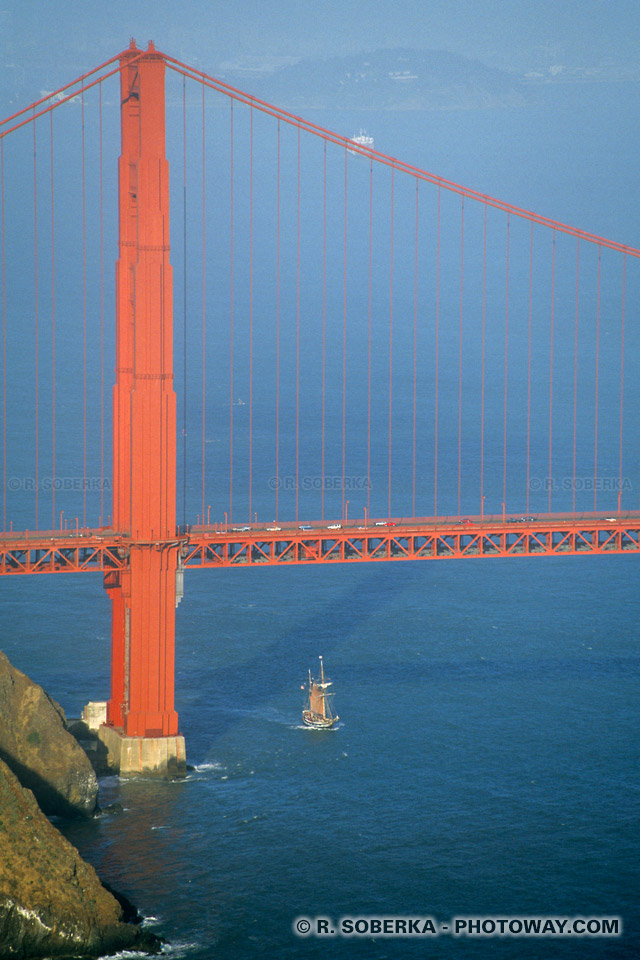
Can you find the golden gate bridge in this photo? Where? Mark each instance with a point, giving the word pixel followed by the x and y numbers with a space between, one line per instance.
pixel 377 363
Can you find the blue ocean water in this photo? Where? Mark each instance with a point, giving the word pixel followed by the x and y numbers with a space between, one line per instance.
pixel 485 762
pixel 486 758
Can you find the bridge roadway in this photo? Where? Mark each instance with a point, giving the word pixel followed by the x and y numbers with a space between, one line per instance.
pixel 356 541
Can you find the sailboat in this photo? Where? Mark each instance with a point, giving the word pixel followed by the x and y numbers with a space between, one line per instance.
pixel 317 712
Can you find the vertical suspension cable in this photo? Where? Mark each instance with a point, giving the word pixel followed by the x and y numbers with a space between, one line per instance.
pixel 4 345
pixel 624 298
pixel 204 301
pixel 575 377
pixel 250 312
pixel 529 368
pixel 484 325
pixel 184 303
pixel 298 326
pixel 506 379
pixel 278 326
pixel 324 312
pixel 435 430
pixel 344 338
pixel 595 436
pixel 53 338
pixel 553 281
pixel 84 326
pixel 231 313
pixel 460 355
pixel 102 479
pixel 390 340
pixel 369 337
pixel 415 354
pixel 36 319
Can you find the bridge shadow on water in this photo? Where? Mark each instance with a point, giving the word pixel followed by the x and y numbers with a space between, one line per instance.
pixel 419 619
pixel 334 610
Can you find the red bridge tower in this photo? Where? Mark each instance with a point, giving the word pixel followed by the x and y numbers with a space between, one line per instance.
pixel 142 724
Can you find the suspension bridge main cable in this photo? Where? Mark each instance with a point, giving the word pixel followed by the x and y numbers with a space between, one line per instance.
pixel 87 81
pixel 70 96
pixel 234 94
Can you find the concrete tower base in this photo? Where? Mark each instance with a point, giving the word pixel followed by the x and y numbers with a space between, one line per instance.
pixel 162 757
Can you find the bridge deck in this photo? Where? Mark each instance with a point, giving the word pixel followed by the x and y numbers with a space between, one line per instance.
pixel 282 544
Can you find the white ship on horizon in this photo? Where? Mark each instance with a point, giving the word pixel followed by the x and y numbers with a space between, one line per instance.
pixel 363 140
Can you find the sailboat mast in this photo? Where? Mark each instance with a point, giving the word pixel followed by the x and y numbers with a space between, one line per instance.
pixel 319 712
pixel 324 702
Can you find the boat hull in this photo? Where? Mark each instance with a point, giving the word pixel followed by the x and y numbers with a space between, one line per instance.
pixel 320 723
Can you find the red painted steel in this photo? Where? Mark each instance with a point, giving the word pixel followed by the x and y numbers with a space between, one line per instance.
pixel 117 701
pixel 402 538
pixel 55 552
pixel 144 413
pixel 139 555
pixel 328 135
pixel 58 103
pixel 441 538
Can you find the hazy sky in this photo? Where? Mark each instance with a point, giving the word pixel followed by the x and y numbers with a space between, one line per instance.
pixel 57 40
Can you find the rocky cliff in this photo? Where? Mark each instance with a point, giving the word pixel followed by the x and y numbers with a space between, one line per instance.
pixel 36 745
pixel 52 903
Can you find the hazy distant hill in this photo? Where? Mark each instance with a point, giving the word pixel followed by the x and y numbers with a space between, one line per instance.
pixel 384 80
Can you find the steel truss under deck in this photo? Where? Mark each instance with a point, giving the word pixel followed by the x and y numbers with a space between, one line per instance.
pixel 208 547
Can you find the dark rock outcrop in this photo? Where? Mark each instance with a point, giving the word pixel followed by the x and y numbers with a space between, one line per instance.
pixel 52 903
pixel 36 745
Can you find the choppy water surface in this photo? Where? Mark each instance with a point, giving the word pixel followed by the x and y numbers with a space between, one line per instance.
pixel 485 762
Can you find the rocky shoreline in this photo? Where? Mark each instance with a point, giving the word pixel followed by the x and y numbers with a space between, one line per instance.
pixel 52 903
